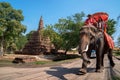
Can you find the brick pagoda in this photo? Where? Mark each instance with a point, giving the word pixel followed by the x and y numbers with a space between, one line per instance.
pixel 38 44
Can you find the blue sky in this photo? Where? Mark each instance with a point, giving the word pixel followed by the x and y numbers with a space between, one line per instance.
pixel 52 10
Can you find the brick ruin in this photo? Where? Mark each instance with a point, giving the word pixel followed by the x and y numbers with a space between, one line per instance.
pixel 38 44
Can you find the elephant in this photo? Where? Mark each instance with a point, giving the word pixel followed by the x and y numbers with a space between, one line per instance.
pixel 93 38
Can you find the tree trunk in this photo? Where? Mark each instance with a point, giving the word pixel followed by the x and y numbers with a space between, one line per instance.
pixel 2 46
pixel 1 49
pixel 66 51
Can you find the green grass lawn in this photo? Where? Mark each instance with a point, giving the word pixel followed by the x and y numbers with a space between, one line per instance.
pixel 117 53
pixel 58 61
pixel 115 78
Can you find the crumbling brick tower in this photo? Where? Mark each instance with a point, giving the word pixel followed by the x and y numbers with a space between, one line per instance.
pixel 38 44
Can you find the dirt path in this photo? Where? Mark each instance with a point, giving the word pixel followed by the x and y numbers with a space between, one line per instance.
pixel 64 72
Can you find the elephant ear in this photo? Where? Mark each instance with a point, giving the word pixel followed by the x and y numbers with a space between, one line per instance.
pixel 94 29
pixel 92 32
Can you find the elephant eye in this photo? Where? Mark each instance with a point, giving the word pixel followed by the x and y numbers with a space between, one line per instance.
pixel 91 37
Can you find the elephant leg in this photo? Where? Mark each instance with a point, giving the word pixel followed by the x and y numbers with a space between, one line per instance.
pixel 102 61
pixel 110 58
pixel 98 63
pixel 83 70
pixel 102 57
pixel 84 64
pixel 99 55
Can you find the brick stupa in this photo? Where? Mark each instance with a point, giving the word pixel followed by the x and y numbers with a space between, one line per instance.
pixel 38 44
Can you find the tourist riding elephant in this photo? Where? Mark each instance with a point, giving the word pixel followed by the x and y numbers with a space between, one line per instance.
pixel 93 38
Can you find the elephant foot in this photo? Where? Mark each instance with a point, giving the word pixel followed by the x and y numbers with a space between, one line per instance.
pixel 99 70
pixel 112 65
pixel 82 71
pixel 102 67
pixel 88 62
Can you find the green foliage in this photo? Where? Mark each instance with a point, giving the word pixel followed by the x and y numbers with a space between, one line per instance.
pixel 111 26
pixel 68 29
pixel 41 62
pixel 28 36
pixel 118 42
pixel 10 24
pixel 55 38
pixel 66 57
pixel 21 41
pixel 115 77
pixel 117 53
pixel 65 33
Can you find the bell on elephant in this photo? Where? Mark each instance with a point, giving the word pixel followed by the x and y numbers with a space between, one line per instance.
pixel 93 54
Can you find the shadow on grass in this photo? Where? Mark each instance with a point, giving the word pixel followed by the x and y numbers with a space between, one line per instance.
pixel 60 57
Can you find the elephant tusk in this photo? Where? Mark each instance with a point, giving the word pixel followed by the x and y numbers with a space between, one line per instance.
pixel 86 48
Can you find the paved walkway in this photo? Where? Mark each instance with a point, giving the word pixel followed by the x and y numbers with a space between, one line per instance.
pixel 64 72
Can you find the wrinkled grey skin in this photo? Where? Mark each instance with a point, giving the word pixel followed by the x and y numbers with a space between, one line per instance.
pixel 93 38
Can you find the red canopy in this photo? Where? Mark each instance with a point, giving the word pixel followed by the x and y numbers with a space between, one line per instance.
pixel 104 16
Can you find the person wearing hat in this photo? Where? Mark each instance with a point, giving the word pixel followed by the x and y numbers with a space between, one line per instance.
pixel 90 20
pixel 98 20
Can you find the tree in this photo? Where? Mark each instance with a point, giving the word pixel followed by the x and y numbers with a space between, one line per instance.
pixel 10 24
pixel 68 30
pixel 111 26
pixel 65 33
pixel 118 43
pixel 55 38
pixel 118 40
pixel 21 41
pixel 28 36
